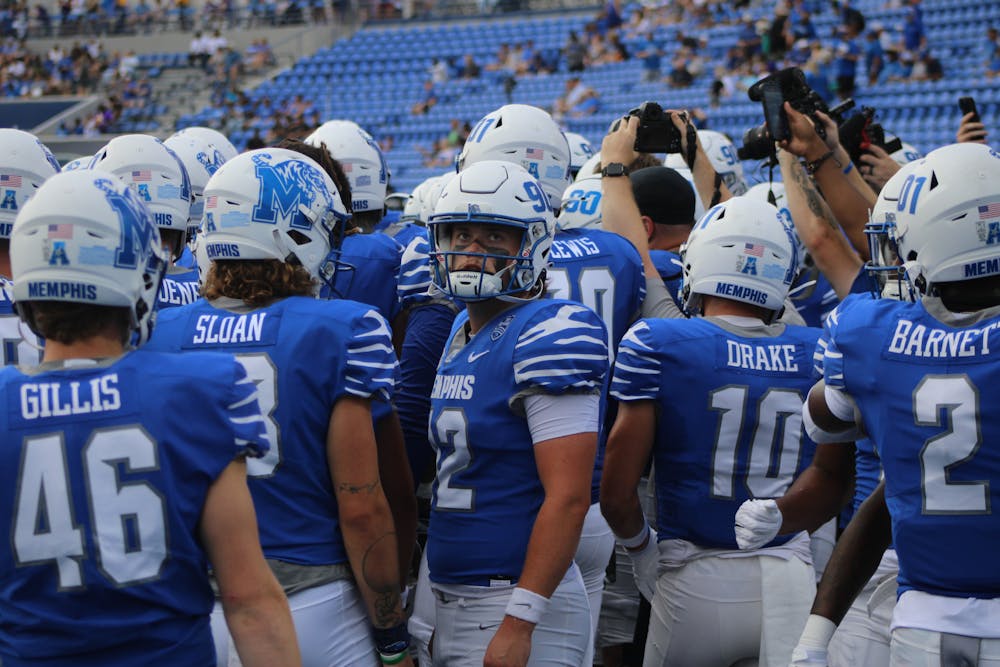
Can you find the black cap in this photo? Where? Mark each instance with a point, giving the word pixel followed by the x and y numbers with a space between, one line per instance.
pixel 663 195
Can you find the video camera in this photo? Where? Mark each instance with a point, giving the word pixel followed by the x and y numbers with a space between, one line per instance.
pixel 656 132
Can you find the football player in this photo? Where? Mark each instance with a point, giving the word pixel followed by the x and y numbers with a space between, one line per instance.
pixel 604 272
pixel 514 420
pixel 124 475
pixel 714 399
pixel 25 165
pixel 927 425
pixel 375 258
pixel 161 180
pixel 325 524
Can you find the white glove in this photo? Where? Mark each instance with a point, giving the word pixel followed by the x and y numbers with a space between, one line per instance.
pixel 811 650
pixel 645 566
pixel 757 523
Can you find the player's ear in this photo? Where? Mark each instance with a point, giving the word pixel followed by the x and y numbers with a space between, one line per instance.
pixel 650 227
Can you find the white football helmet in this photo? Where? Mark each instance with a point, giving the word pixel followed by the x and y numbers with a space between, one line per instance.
pixel 741 250
pixel 580 151
pixel 82 162
pixel 88 238
pixel 498 193
pixel 25 163
pixel 155 172
pixel 908 153
pixel 588 167
pixel 201 159
pixel 885 268
pixel 526 136
pixel 721 153
pixel 272 203
pixel 581 204
pixel 214 137
pixel 361 158
pixel 414 206
pixel 942 215
pixel 764 192
pixel 435 187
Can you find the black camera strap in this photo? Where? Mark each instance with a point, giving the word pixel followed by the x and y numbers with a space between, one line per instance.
pixel 692 147
pixel 717 195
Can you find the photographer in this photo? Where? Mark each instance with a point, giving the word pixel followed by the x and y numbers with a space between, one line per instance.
pixel 827 161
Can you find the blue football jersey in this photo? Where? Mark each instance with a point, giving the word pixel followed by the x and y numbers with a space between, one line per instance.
pixel 730 424
pixel 671 269
pixel 487 492
pixel 369 273
pixel 926 391
pixel 305 354
pixel 179 287
pixel 18 345
pixel 105 473
pixel 814 303
pixel 601 270
pixel 604 272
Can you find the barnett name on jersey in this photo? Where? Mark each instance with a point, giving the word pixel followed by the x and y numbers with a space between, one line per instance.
pixel 729 426
pixel 107 465
pixel 305 354
pixel 487 492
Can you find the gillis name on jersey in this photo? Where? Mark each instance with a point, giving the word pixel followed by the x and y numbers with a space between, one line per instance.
pixel 212 329
pixel 59 399
pixel 453 386
pixel 780 358
pixel 919 341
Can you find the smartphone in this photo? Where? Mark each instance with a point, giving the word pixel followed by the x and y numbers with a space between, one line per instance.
pixel 968 105
pixel 774 113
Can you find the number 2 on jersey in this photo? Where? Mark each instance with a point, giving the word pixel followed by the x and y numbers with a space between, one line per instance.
pixel 451 431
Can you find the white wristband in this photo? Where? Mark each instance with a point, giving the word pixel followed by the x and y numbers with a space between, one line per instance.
pixel 637 540
pixel 817 633
pixel 526 605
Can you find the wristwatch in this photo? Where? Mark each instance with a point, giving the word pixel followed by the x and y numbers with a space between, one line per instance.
pixel 614 169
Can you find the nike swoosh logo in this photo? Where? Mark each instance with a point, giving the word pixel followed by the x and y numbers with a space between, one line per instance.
pixel 475 355
pixel 488 626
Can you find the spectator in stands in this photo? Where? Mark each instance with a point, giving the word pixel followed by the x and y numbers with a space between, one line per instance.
pixel 577 100
pixel 574 51
pixel 679 76
pixel 927 68
pixel 470 69
pixel 142 18
pixel 848 52
pixel 874 55
pixel 895 69
pixel 650 52
pixel 993 64
pixel 500 62
pixel 988 47
pixel 914 34
pixel 438 71
pixel 198 53
pixel 427 100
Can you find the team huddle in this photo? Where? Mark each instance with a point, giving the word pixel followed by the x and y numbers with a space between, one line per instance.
pixel 664 418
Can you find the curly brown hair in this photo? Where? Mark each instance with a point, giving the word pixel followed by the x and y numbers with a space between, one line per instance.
pixel 257 283
pixel 67 322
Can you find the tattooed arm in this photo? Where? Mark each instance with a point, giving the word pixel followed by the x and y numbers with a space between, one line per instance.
pixel 365 519
pixel 818 228
pixel 849 196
